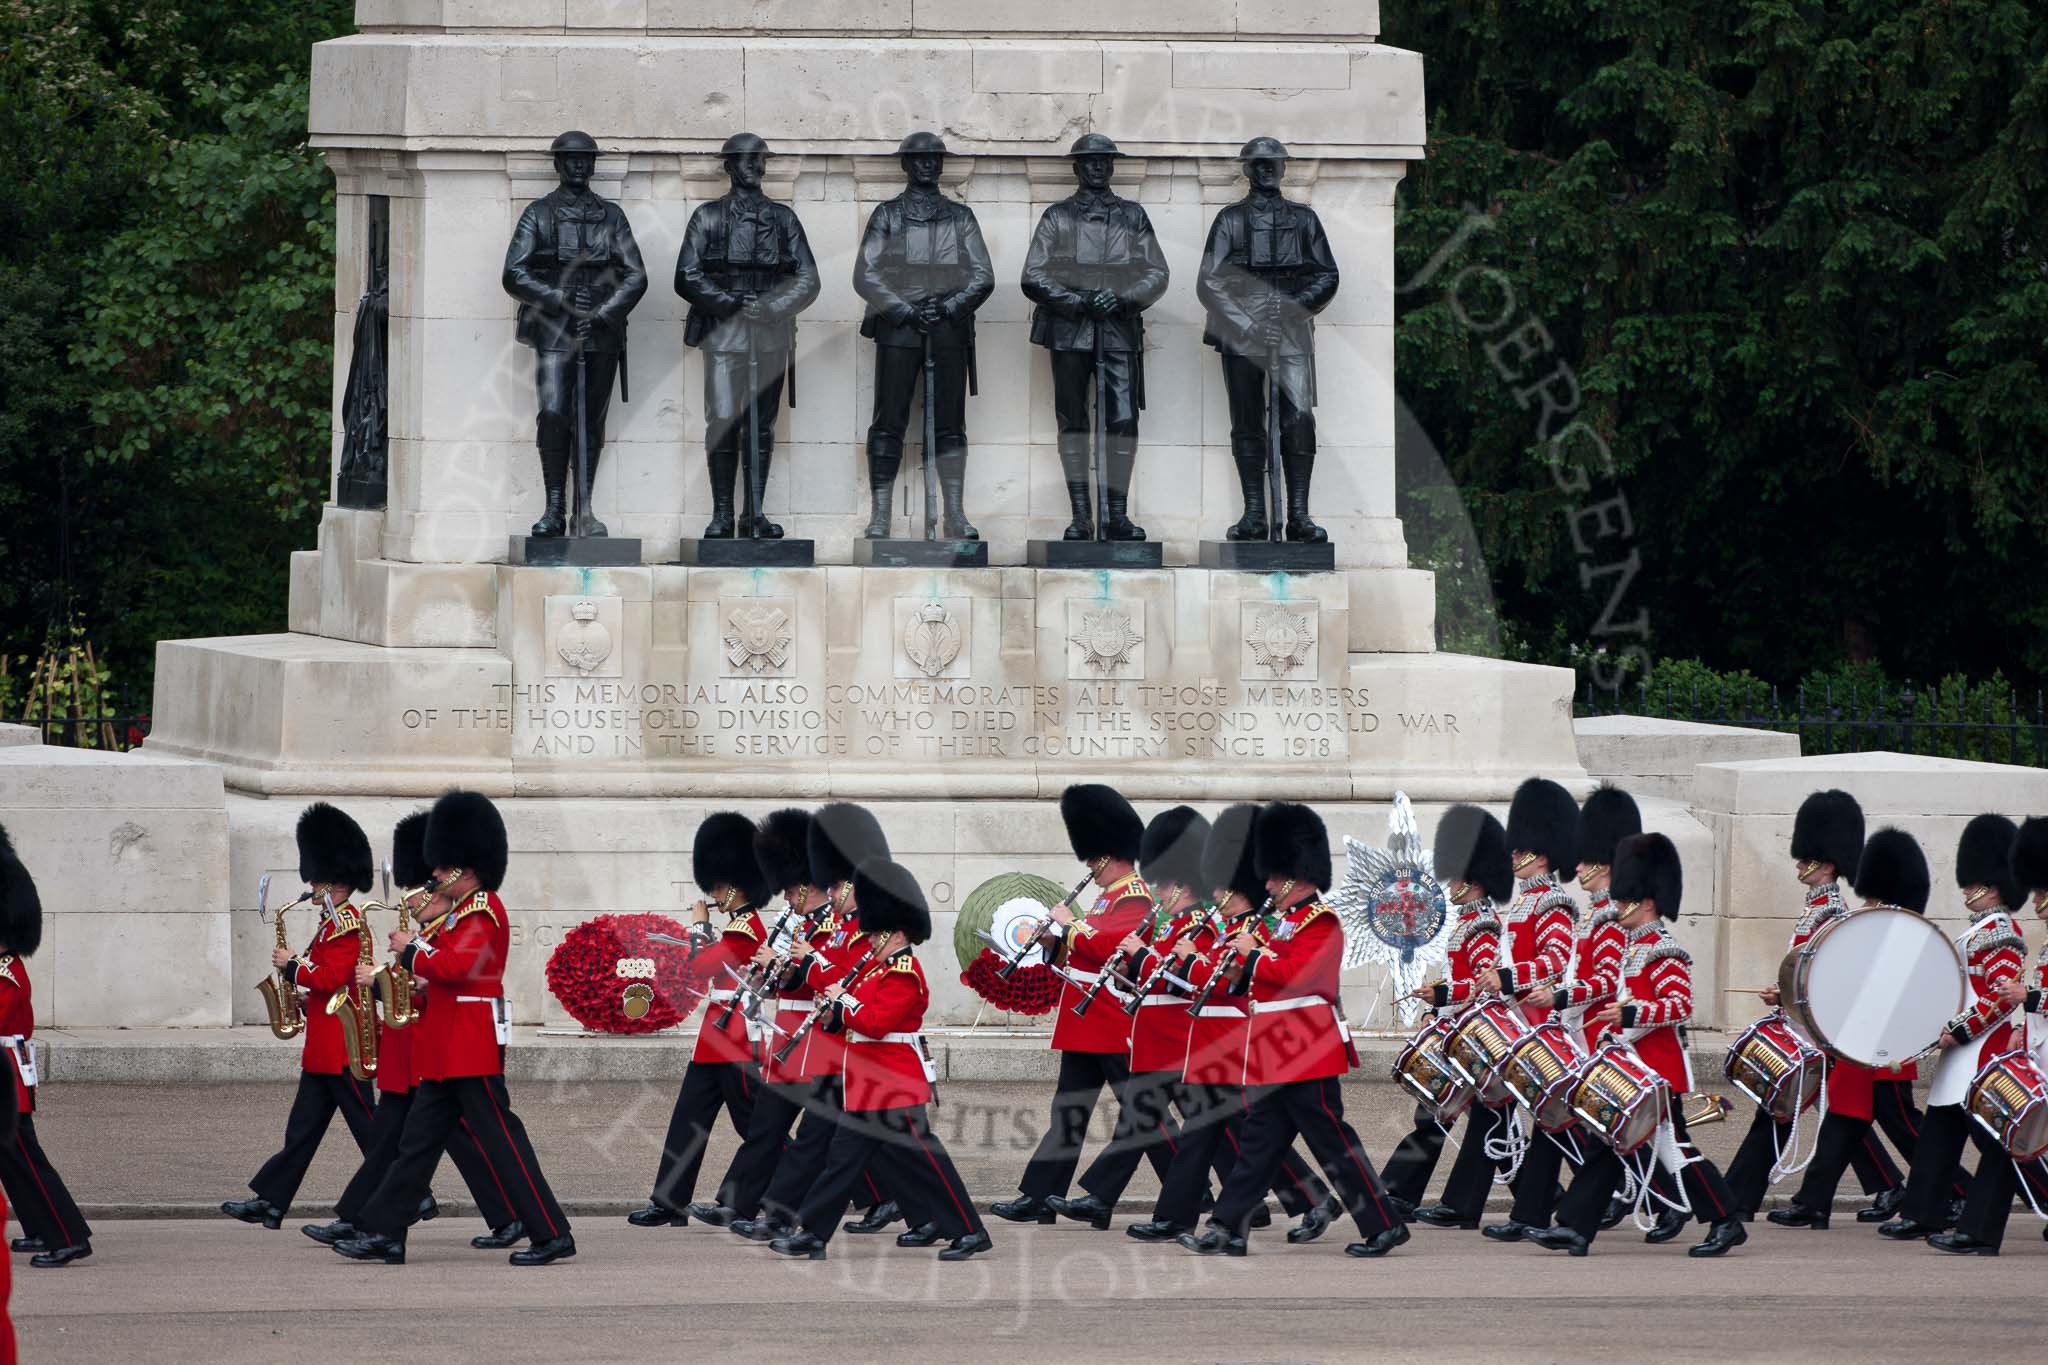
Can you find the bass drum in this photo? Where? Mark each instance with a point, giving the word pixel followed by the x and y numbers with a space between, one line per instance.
pixel 1875 987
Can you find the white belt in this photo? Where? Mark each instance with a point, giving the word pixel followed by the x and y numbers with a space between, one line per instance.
pixel 501 1018
pixel 1219 1012
pixel 795 1006
pixel 719 997
pixel 478 999
pixel 1299 1002
pixel 912 1038
pixel 1161 1000
pixel 1083 978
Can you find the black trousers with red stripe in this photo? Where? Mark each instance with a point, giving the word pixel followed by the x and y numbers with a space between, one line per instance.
pixel 1600 1179
pixel 907 1156
pixel 1212 1138
pixel 40 1199
pixel 1144 1125
pixel 320 1096
pixel 1892 1109
pixel 1989 1206
pixel 1312 1110
pixel 707 1088
pixel 388 1130
pixel 1846 1141
pixel 1082 1077
pixel 439 1109
pixel 772 1171
pixel 1749 1174
pixel 1937 1178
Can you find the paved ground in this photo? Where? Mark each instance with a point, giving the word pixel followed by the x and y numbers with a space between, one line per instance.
pixel 224 1293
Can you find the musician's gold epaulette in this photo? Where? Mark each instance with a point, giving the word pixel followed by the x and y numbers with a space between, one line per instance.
pixel 742 923
pixel 906 963
pixel 1315 909
pixel 480 903
pixel 1486 922
pixel 7 968
pixel 346 920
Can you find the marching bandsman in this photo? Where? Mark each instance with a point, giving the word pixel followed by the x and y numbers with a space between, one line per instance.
pixel 880 1006
pixel 1299 1045
pixel 1891 873
pixel 335 864
pixel 1827 841
pixel 1653 1007
pixel 1995 954
pixel 722 1073
pixel 395 1083
pixel 52 1227
pixel 458 1052
pixel 1214 1103
pixel 1981 1230
pixel 1106 835
pixel 1470 855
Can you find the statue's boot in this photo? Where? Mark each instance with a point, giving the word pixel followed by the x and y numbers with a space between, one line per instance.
pixel 952 483
pixel 885 457
pixel 1123 462
pixel 1074 468
pixel 554 475
pixel 723 460
pixel 1299 469
pixel 757 479
pixel 1250 459
pixel 586 523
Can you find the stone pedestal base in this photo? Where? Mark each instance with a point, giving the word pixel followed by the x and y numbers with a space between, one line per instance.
pixel 582 551
pixel 1095 554
pixel 1269 556
pixel 364 495
pixel 921 554
pixel 745 552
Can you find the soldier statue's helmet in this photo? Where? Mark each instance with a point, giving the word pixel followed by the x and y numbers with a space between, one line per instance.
pixel 922 143
pixel 1264 149
pixel 574 141
pixel 739 144
pixel 1094 144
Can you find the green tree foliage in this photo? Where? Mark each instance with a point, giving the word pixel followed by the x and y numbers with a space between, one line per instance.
pixel 1792 255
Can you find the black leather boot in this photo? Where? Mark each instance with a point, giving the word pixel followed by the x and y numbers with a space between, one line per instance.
pixel 723 462
pixel 952 480
pixel 1301 529
pixel 1251 480
pixel 885 457
pixel 1116 521
pixel 585 523
pixel 1074 468
pixel 758 478
pixel 554 476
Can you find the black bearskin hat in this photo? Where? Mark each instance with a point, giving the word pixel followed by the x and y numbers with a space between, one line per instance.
pixel 1171 851
pixel 1984 858
pixel 1100 823
pixel 1829 829
pixel 890 899
pixel 409 865
pixel 2030 855
pixel 1542 819
pixel 782 846
pixel 465 830
pixel 843 836
pixel 723 855
pixel 333 848
pixel 1608 816
pixel 1472 847
pixel 1227 854
pixel 1292 842
pixel 1646 869
pixel 21 910
pixel 1893 871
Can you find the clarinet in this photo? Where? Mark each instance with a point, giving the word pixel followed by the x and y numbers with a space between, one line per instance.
pixel 1115 967
pixel 757 977
pixel 782 1054
pixel 1016 959
pixel 1229 958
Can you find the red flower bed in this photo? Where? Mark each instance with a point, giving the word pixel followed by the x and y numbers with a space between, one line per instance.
pixel 583 973
pixel 1028 990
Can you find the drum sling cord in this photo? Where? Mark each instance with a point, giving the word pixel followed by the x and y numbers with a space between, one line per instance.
pixel 1785 1150
pixel 1638 1168
pixel 1510 1148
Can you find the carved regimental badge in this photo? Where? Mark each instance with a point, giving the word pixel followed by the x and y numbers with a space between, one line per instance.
pixel 1105 639
pixel 1282 641
pixel 758 640
pixel 584 643
pixel 932 639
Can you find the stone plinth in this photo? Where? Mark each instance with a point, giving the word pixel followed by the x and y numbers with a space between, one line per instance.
pixel 1748 808
pixel 18 736
pixel 129 853
pixel 1657 757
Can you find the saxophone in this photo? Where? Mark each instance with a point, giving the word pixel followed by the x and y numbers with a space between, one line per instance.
pixel 358 1010
pixel 280 996
pixel 394 983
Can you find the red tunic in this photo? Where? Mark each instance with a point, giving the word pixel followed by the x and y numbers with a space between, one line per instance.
pixel 885 1067
pixel 17 1021
pixel 1297 1033
pixel 1656 983
pixel 1217 1034
pixel 1995 954
pixel 1541 923
pixel 1596 970
pixel 462 958
pixel 834 945
pixel 328 965
pixel 711 974
pixel 1159 1030
pixel 1088 944
pixel 1850 1086
pixel 1473 951
pixel 394 1054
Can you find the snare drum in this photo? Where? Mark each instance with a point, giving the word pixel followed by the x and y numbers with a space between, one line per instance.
pixel 2010 1098
pixel 1875 987
pixel 1540 1071
pixel 1424 1070
pixel 1477 1045
pixel 1622 1100
pixel 1777 1068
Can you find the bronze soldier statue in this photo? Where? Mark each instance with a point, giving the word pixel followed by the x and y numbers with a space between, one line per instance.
pixel 1266 273
pixel 747 271
pixel 923 271
pixel 1094 268
pixel 575 269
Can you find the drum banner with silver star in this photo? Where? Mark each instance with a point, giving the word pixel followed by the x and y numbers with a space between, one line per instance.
pixel 1393 909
